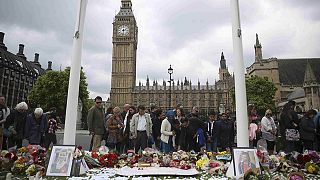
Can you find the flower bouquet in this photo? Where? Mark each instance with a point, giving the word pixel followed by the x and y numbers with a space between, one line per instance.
pixel 312 168
pixel 296 176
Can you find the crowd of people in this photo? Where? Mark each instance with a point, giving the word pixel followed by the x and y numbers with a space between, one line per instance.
pixel 136 128
pixel 171 130
pixel 16 125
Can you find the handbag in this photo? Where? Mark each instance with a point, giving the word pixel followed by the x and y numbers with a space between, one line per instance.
pixel 292 135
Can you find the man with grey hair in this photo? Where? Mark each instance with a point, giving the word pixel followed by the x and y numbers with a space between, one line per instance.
pixel 36 126
pixel 4 113
pixel 16 123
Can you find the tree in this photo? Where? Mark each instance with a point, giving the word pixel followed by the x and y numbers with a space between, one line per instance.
pixel 51 90
pixel 260 92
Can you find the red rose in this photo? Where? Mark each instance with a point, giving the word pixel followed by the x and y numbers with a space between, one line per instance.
pixel 306 158
pixel 79 147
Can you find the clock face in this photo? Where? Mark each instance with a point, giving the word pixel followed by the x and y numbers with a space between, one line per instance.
pixel 123 30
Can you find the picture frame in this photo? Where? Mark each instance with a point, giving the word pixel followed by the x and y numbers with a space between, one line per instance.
pixel 61 160
pixel 245 159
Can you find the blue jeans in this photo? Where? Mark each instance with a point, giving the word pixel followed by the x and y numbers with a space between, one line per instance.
pixel 165 147
pixel 212 146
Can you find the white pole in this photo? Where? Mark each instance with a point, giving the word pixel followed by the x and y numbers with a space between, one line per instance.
pixel 74 80
pixel 240 86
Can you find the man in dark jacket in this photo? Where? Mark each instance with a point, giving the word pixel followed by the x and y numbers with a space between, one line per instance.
pixel 226 133
pixel 95 121
pixel 308 130
pixel 212 132
pixel 194 124
pixel 17 120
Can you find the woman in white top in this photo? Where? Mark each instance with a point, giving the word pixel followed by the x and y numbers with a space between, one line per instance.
pixel 166 133
pixel 269 130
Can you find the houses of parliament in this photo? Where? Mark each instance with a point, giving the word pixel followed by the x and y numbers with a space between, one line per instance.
pixel 123 82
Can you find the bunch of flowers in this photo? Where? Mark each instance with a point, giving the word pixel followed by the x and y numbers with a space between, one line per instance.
pixel 312 168
pixel 7 160
pixel 31 170
pixel 27 160
pixel 108 160
pixel 203 163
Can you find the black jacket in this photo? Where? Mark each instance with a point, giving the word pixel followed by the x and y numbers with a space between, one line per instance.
pixel 307 129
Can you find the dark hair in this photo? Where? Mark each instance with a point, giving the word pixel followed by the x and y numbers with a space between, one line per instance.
pixel 133 107
pixel 212 113
pixel 110 110
pixel 141 107
pixel 182 111
pixel 2 95
pixel 153 106
pixel 158 112
pixel 292 103
pixel 224 114
pixel 310 112
pixel 98 97
pixel 250 108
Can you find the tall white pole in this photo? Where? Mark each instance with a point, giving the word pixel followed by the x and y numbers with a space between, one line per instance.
pixel 69 137
pixel 240 86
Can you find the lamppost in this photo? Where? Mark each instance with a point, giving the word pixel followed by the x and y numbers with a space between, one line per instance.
pixel 170 71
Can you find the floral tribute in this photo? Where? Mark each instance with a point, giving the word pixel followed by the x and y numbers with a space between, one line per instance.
pixel 30 160
pixel 26 161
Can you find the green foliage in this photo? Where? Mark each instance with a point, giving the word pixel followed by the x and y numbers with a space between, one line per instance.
pixel 260 92
pixel 51 90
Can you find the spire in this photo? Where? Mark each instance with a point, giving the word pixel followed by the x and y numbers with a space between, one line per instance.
pixel 309 76
pixel 257 41
pixel 223 62
pixel 258 50
pixel 147 83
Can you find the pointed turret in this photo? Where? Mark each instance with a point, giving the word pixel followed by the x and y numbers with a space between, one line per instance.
pixel 223 62
pixel 309 76
pixel 147 83
pixel 258 50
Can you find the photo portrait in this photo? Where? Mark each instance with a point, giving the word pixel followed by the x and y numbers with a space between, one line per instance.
pixel 60 163
pixel 245 159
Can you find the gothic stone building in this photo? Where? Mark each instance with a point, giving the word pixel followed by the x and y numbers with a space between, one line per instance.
pixel 295 79
pixel 123 82
pixel 17 74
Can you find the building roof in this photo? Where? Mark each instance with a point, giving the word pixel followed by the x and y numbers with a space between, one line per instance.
pixel 298 93
pixel 17 62
pixel 292 71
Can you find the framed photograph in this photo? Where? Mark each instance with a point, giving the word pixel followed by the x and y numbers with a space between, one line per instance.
pixel 245 159
pixel 61 159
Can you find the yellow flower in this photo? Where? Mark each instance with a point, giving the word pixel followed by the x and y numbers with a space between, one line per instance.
pixel 201 162
pixel 222 153
pixel 22 150
pixel 311 169
pixel 209 153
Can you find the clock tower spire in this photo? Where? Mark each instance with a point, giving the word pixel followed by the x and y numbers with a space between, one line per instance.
pixel 124 52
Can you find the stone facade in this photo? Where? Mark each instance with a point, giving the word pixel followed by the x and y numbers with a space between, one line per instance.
pixel 295 79
pixel 17 74
pixel 123 82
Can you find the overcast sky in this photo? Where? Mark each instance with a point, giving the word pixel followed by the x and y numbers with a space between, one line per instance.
pixel 189 34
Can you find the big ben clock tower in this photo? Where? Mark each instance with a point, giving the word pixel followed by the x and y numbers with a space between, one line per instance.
pixel 124 40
